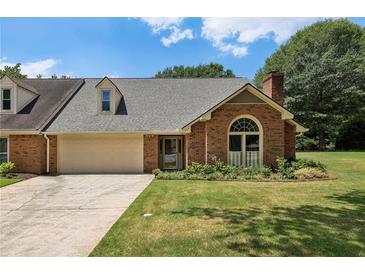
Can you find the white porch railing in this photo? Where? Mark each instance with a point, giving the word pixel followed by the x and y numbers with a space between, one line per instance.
pixel 235 158
pixel 252 158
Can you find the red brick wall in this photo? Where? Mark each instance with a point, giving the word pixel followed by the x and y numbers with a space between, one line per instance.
pixel 217 131
pixel 273 86
pixel 195 144
pixel 150 152
pixel 52 154
pixel 289 149
pixel 28 153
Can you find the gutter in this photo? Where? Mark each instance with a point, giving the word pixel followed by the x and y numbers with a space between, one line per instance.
pixel 47 153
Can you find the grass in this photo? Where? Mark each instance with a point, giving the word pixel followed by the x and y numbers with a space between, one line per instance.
pixel 201 218
pixel 6 182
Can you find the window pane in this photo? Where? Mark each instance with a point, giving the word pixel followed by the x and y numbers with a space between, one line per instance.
pixel 106 106
pixel 106 95
pixel 3 158
pixel 6 104
pixel 235 143
pixel 252 142
pixel 3 145
pixel 244 125
pixel 170 157
pixel 6 93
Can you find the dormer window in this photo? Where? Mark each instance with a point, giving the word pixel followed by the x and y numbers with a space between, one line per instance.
pixel 105 100
pixel 108 98
pixel 6 99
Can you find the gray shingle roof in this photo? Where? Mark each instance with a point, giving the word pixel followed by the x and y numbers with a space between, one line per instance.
pixel 52 95
pixel 149 104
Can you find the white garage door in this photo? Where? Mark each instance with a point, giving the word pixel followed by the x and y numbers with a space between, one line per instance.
pixel 112 153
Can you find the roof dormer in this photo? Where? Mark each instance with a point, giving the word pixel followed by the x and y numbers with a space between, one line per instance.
pixel 108 96
pixel 15 95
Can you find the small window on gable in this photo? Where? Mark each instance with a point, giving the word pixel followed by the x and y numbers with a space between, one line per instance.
pixel 105 100
pixel 5 99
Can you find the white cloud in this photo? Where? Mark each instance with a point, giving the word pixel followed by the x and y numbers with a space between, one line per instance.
pixel 233 35
pixel 162 23
pixel 171 25
pixel 32 69
pixel 177 35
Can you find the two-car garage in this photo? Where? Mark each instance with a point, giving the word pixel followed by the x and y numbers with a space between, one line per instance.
pixel 100 153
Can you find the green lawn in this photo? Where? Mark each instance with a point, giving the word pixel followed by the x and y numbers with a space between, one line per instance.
pixel 203 218
pixel 5 182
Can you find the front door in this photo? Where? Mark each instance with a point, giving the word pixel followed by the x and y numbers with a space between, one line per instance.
pixel 171 152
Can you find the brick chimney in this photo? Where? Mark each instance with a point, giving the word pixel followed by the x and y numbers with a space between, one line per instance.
pixel 273 86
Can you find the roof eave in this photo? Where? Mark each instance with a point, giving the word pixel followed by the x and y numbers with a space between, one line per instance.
pixel 298 127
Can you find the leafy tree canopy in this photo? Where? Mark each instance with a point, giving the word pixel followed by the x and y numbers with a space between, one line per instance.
pixel 324 66
pixel 12 71
pixel 212 70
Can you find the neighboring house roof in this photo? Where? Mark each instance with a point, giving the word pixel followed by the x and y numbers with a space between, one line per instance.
pixel 52 95
pixel 147 104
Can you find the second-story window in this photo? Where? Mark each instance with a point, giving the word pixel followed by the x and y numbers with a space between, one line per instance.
pixel 105 100
pixel 6 99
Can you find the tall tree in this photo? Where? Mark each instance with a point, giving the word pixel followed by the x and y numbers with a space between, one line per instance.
pixel 12 71
pixel 210 70
pixel 324 66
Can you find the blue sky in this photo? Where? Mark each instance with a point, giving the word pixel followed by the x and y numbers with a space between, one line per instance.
pixel 136 47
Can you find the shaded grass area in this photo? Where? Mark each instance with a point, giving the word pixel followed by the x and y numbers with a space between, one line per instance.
pixel 205 218
pixel 6 181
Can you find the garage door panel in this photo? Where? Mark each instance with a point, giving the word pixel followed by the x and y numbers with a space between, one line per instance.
pixel 100 154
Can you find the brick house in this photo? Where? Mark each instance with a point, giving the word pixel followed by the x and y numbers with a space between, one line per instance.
pixel 136 125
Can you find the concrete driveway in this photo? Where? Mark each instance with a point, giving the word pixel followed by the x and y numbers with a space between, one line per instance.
pixel 65 215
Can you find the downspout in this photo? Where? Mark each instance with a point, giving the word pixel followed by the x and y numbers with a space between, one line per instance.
pixel 47 152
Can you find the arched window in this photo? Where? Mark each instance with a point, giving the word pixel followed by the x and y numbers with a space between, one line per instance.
pixel 245 142
pixel 244 125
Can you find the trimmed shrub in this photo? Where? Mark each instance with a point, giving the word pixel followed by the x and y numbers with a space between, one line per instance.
pixel 6 168
pixel 197 168
pixel 310 173
pixel 287 168
pixel 156 171
pixel 303 163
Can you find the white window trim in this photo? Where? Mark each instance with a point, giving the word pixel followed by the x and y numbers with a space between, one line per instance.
pixel 260 133
pixel 12 97
pixel 7 148
pixel 110 100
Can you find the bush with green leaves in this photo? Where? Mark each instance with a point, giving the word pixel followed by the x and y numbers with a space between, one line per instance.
pixel 6 168
pixel 217 170
pixel 286 169
pixel 306 163
pixel 156 171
